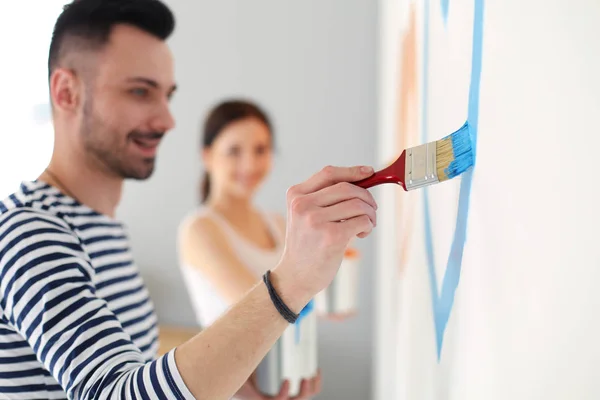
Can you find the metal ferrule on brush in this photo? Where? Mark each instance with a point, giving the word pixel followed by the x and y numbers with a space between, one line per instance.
pixel 421 166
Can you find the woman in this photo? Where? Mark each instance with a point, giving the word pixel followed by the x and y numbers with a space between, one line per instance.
pixel 228 243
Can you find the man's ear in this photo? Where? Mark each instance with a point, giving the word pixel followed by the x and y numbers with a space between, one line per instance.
pixel 206 156
pixel 65 90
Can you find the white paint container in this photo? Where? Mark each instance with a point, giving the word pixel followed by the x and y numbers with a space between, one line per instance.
pixel 293 357
pixel 341 296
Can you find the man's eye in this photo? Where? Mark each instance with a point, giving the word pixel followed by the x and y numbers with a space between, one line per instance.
pixel 141 92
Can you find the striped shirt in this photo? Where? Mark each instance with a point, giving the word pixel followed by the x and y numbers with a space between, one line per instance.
pixel 75 318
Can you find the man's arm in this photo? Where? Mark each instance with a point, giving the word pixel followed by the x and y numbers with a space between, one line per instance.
pixel 47 295
pixel 203 246
pixel 218 361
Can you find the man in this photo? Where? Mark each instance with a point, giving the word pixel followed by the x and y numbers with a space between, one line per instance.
pixel 75 318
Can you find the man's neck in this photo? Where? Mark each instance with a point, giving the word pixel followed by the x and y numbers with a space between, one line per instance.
pixel 89 185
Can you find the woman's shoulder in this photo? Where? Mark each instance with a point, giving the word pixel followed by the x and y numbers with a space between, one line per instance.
pixel 199 224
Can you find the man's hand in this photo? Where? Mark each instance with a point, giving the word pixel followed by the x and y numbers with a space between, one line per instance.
pixel 308 389
pixel 324 214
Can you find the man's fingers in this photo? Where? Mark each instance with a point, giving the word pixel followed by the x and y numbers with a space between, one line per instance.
pixel 358 226
pixel 330 176
pixel 342 191
pixel 347 210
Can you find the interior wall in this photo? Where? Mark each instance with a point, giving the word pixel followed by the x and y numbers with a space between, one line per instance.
pixel 519 326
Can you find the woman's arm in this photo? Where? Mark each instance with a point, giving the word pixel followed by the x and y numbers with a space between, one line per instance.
pixel 204 247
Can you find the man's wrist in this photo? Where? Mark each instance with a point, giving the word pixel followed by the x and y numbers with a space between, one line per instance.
pixel 293 294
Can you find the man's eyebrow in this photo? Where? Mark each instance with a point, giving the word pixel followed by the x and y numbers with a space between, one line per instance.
pixel 150 82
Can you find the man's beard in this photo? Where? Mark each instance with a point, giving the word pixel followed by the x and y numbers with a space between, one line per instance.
pixel 110 150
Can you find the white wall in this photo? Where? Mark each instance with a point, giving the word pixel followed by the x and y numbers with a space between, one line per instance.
pixel 312 65
pixel 524 323
pixel 24 104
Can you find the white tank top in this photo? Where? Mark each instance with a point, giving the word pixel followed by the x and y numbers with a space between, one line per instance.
pixel 207 302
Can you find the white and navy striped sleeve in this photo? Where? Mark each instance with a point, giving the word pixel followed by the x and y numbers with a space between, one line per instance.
pixel 47 295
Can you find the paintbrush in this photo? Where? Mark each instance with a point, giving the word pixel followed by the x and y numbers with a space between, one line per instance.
pixel 428 163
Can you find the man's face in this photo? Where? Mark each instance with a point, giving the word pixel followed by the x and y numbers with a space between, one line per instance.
pixel 125 107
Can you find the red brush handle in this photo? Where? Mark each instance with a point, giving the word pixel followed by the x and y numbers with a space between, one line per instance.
pixel 392 174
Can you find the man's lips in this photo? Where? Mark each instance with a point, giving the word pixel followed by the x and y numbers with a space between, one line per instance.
pixel 147 144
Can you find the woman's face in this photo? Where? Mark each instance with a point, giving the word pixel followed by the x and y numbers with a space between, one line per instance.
pixel 240 157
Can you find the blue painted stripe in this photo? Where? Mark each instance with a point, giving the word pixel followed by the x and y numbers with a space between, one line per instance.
pixel 445 8
pixel 442 304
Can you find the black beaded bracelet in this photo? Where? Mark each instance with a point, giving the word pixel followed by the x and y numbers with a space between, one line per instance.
pixel 284 310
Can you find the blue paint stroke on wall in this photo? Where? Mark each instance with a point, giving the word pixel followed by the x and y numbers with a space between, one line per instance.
pixel 445 4
pixel 442 303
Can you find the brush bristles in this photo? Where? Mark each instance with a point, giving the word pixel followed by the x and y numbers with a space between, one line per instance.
pixel 454 154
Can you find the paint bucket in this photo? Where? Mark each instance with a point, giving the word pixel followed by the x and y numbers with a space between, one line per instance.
pixel 293 357
pixel 341 296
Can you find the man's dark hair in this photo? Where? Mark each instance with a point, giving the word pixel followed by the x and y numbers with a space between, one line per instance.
pixel 87 24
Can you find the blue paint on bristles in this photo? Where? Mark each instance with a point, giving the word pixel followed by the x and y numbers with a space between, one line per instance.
pixel 463 152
